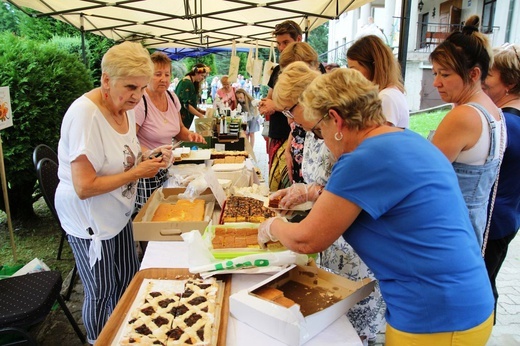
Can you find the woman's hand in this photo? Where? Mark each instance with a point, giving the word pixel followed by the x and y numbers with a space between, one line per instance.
pixel 148 168
pixel 298 194
pixel 266 107
pixel 195 137
pixel 163 153
pixel 264 232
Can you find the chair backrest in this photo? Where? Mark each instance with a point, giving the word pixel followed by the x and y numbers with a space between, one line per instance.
pixel 43 151
pixel 47 171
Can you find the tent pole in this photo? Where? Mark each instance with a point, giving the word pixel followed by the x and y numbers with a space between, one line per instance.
pixel 403 34
pixel 83 50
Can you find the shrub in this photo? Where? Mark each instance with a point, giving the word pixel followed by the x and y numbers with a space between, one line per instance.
pixel 43 80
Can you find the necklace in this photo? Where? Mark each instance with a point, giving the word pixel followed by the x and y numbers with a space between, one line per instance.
pixel 115 119
pixel 112 114
pixel 164 116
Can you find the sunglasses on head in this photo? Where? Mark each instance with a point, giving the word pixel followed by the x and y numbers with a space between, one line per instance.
pixel 287 26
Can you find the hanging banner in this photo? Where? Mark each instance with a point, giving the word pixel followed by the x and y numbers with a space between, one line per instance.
pixel 6 116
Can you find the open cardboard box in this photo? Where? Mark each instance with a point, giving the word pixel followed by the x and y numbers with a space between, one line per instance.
pixel 145 229
pixel 289 325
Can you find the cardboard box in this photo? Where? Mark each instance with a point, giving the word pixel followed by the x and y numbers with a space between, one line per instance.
pixel 145 229
pixel 289 325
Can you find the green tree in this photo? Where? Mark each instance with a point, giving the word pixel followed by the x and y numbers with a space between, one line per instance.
pixel 43 81
pixel 319 39
pixel 8 18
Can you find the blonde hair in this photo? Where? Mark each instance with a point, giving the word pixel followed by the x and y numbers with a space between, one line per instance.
pixel 291 83
pixel 462 51
pixel 349 93
pixel 507 62
pixel 248 104
pixel 374 55
pixel 299 51
pixel 224 79
pixel 128 59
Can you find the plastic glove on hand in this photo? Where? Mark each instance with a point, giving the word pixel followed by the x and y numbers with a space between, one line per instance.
pixel 300 193
pixel 264 232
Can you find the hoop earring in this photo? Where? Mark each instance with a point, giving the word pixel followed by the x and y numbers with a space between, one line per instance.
pixel 338 136
pixel 507 92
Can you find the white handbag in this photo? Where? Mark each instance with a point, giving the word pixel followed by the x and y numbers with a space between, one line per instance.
pixel 257 69
pixel 269 66
pixel 234 64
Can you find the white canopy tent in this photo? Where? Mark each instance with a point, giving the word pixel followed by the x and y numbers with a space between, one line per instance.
pixel 189 23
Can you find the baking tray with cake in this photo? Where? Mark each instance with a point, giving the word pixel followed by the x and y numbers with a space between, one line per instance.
pixel 245 209
pixel 233 240
pixel 170 306
pixel 166 215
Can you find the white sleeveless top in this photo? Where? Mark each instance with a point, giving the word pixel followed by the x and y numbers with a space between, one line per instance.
pixel 477 154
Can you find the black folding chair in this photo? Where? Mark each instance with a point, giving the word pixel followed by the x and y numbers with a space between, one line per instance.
pixel 26 300
pixel 47 171
pixel 43 151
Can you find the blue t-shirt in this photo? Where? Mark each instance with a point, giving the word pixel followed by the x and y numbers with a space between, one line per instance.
pixel 505 219
pixel 414 233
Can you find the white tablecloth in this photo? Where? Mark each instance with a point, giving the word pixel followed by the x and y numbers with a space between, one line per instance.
pixel 175 255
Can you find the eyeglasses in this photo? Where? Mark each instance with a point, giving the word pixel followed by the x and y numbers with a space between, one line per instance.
pixel 317 132
pixel 288 113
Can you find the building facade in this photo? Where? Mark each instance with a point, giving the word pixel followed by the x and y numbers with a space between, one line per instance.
pixel 430 22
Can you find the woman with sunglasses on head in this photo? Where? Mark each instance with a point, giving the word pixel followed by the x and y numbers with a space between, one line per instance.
pixel 502 85
pixel 401 210
pixel 296 51
pixel 375 60
pixel 367 316
pixel 188 91
pixel 472 135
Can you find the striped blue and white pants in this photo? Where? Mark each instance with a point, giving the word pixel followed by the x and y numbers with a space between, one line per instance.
pixel 106 281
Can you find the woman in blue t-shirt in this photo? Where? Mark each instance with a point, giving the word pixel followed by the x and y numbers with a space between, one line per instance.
pixel 395 198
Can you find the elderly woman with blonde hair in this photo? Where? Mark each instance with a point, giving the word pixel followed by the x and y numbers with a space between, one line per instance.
pixel 367 316
pixel 100 161
pixel 227 93
pixel 296 51
pixel 401 210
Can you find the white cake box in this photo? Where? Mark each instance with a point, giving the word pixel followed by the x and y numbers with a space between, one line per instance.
pixel 289 325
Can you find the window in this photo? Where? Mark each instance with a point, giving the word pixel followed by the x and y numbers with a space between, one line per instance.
pixel 488 14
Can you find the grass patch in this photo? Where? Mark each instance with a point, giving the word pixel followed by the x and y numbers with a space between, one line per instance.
pixel 35 238
pixel 423 123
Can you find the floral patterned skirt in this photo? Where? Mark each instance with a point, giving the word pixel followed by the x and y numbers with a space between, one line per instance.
pixel 367 316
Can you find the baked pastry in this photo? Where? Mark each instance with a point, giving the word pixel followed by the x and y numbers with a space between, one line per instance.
pixel 240 238
pixel 245 209
pixel 182 210
pixel 186 317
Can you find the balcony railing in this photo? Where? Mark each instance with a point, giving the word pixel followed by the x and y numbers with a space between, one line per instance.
pixel 431 34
